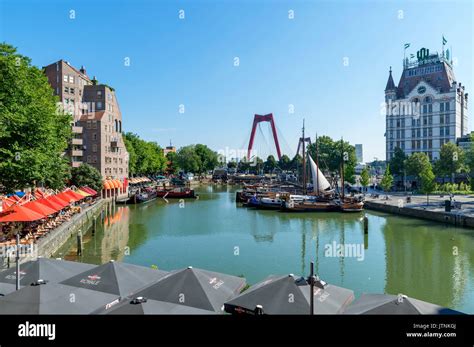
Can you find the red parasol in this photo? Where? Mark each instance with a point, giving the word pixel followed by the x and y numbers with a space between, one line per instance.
pixel 20 214
pixel 40 208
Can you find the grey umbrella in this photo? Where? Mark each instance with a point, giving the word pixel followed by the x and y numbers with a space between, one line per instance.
pixel 52 270
pixel 197 288
pixel 394 304
pixel 290 295
pixel 116 278
pixel 54 298
pixel 140 305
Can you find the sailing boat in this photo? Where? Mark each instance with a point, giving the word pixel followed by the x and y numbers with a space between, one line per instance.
pixel 322 199
pixel 349 203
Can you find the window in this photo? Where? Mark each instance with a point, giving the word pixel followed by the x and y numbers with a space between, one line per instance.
pixel 425 120
pixel 65 78
pixel 441 119
pixel 391 122
pixel 441 131
pixel 446 131
pixel 430 144
pixel 99 105
pixel 71 90
pixel 403 124
pixel 94 159
pixel 418 132
pixel 425 108
pixel 425 132
pixel 447 119
pixel 413 133
pixel 430 119
pixel 430 108
pixel 99 93
pixel 430 132
pixel 391 145
pixel 94 124
pixel 413 144
pixel 66 89
pixel 413 122
pixel 403 144
pixel 94 136
pixel 425 144
pixel 88 158
pixel 447 107
pixel 441 107
pixel 94 148
pixel 71 79
pixel 418 144
pixel 88 124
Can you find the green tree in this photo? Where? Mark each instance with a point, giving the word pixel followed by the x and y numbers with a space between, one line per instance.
pixel 284 163
pixel 387 179
pixel 397 163
pixel 365 177
pixel 145 157
pixel 232 164
pixel 188 159
pixel 208 158
pixel 34 132
pixel 330 154
pixel 469 159
pixel 417 163
pixel 86 175
pixel 428 183
pixel 172 164
pixel 451 161
pixel 296 162
pixel 270 164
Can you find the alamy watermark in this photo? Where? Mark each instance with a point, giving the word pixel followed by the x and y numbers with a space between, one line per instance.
pixel 346 250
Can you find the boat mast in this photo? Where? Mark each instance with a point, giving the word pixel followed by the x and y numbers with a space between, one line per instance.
pixel 317 164
pixel 342 167
pixel 304 164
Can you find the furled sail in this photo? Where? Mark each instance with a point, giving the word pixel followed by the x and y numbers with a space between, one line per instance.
pixel 318 177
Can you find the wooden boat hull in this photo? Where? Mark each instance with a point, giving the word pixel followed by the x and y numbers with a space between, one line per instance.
pixel 312 207
pixel 169 194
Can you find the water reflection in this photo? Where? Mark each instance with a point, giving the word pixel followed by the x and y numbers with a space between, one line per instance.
pixel 425 260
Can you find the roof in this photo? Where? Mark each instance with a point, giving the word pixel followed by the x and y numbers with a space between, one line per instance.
pixel 439 80
pixel 72 67
pixel 390 84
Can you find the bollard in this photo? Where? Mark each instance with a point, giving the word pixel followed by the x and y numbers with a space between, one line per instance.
pixel 366 225
pixel 79 244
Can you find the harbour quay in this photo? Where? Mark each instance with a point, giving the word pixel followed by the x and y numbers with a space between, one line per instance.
pixel 457 210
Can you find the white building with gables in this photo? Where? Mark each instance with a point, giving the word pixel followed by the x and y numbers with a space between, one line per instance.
pixel 427 108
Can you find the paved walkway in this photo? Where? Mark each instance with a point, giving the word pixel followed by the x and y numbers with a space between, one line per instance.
pixel 462 204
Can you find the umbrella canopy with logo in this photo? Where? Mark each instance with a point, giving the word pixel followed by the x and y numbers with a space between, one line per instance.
pixel 53 298
pixel 290 295
pixel 120 279
pixel 141 305
pixel 52 270
pixel 197 288
pixel 394 304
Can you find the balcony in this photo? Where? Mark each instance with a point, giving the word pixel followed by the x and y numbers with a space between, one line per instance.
pixel 114 142
pixel 76 163
pixel 77 141
pixel 77 130
pixel 76 153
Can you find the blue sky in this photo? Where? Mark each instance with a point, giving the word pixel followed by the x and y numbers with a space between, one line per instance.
pixel 283 61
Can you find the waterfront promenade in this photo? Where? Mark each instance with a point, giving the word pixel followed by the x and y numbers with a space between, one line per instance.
pixel 461 214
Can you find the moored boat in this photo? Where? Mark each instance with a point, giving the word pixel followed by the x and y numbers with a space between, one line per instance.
pixel 176 193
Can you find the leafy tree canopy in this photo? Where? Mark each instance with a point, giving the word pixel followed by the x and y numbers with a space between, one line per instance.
pixel 34 132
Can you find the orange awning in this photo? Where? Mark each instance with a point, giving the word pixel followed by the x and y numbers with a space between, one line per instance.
pixel 20 214
pixel 40 208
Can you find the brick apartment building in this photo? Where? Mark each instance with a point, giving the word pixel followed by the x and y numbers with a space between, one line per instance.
pixel 97 120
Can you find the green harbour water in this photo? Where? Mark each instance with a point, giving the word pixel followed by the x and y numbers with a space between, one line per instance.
pixel 429 261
